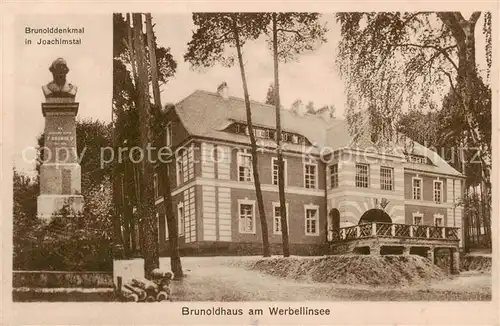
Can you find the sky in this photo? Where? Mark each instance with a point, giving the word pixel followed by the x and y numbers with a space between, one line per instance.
pixel 313 77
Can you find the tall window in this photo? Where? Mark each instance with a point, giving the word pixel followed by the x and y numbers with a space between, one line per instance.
pixel 246 217
pixel 311 220
pixel 178 171
pixel 155 186
pixel 277 218
pixel 180 218
pixel 362 175
pixel 275 170
pixel 386 178
pixel 417 188
pixel 334 176
pixel 168 134
pixel 310 175
pixel 438 191
pixel 244 167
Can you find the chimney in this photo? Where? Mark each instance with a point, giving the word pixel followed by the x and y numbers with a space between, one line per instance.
pixel 223 90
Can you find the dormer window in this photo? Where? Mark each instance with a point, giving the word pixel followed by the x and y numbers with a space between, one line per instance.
pixel 262 133
pixel 267 133
pixel 418 159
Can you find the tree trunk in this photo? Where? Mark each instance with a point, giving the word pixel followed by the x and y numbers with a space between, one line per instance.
pixel 175 259
pixel 463 32
pixel 255 167
pixel 131 51
pixel 137 217
pixel 281 173
pixel 125 217
pixel 153 63
pixel 118 251
pixel 173 234
pixel 151 259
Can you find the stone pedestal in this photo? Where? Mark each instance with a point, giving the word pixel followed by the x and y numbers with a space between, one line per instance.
pixel 60 173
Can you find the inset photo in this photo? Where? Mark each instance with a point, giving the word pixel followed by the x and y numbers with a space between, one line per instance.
pixel 293 156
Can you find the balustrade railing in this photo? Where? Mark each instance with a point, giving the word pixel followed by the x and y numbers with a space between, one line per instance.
pixel 394 230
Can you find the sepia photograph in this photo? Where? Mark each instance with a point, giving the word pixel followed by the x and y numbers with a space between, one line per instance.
pixel 254 156
pixel 302 156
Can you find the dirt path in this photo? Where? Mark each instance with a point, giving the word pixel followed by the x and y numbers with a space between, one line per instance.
pixel 211 279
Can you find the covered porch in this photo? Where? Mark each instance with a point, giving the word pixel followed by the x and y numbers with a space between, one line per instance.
pixel 382 238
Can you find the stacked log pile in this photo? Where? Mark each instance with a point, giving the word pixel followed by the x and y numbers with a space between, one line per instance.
pixel 143 290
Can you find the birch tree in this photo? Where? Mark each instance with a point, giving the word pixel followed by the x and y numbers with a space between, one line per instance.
pixel 214 33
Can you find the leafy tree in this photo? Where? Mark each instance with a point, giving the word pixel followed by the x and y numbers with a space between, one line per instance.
pixel 270 98
pixel 159 124
pixel 393 60
pixel 66 242
pixel 329 110
pixel 297 106
pixel 291 34
pixel 310 107
pixel 214 34
pixel 142 101
pixel 125 109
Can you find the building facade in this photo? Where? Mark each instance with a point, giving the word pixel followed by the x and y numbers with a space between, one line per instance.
pixel 332 179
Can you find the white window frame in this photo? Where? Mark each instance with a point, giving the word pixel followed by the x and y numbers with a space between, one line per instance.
pixel 239 160
pixel 179 170
pixel 246 202
pixel 439 216
pixel 315 174
pixel 311 207
pixel 391 169
pixel 180 222
pixel 336 185
pixel 413 188
pixel 441 192
pixel 277 204
pixel 420 215
pixel 168 134
pixel 156 186
pixel 275 159
pixel 367 175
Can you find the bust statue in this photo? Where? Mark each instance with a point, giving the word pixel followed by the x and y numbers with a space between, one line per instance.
pixel 59 87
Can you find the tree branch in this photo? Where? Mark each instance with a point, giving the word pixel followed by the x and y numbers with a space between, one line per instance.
pixel 291 31
pixel 435 47
pixel 474 17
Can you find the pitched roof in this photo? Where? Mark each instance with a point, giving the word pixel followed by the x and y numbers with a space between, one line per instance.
pixel 207 114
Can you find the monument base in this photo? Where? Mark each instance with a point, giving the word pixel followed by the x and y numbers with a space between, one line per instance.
pixel 50 205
